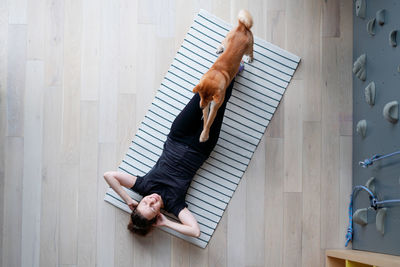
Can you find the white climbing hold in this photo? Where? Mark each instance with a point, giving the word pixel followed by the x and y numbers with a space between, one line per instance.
pixel 370 184
pixel 380 220
pixel 359 67
pixel 391 111
pixel 380 16
pixel 361 128
pixel 393 38
pixel 360 216
pixel 370 93
pixel 371 27
pixel 361 7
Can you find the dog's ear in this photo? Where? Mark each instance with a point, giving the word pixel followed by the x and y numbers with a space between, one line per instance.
pixel 196 89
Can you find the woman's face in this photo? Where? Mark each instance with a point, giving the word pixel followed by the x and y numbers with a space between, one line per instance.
pixel 150 206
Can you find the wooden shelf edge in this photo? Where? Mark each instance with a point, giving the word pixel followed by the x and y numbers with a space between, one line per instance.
pixel 365 257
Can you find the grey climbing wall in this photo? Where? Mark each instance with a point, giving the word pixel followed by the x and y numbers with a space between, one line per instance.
pixel 381 136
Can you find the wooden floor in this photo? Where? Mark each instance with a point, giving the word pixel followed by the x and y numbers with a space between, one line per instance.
pixel 76 78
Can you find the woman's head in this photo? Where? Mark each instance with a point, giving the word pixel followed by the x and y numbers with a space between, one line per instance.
pixel 145 214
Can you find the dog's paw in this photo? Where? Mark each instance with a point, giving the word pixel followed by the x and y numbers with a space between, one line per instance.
pixel 220 49
pixel 203 137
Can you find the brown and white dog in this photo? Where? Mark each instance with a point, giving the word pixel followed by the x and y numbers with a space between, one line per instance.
pixel 213 84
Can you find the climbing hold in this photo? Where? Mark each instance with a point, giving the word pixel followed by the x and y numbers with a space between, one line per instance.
pixel 371 27
pixel 359 67
pixel 370 184
pixel 380 16
pixel 360 216
pixel 380 220
pixel 370 93
pixel 360 8
pixel 391 111
pixel 361 128
pixel 392 38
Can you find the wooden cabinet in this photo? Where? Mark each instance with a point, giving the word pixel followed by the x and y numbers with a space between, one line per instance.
pixel 357 258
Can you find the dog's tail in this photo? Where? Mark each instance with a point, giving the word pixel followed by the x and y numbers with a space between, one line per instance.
pixel 245 18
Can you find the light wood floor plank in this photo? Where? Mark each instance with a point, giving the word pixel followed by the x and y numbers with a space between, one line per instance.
pixel 87 197
pixel 71 82
pixel 3 107
pixel 90 71
pixel 145 56
pixel 164 55
pixel 32 163
pixel 179 252
pixel 68 237
pixel 165 18
pixel 198 256
pixel 345 59
pixel 295 42
pixel 184 16
pixel 145 12
pixel 124 245
pixel 70 149
pixel 293 129
pixel 50 191
pixel 276 5
pixel 17 11
pixel 219 9
pixel 311 216
pixel 128 65
pixel 330 147
pixel 54 34
pixel 143 250
pixel 16 79
pixel 273 208
pixel 36 30
pixel 217 250
pixel 276 34
pixel 127 123
pixel 292 229
pixel 331 19
pixel 12 233
pixel 161 250
pixel 236 237
pixel 276 25
pixel 312 61
pixel 105 226
pixel 109 41
pixel 255 186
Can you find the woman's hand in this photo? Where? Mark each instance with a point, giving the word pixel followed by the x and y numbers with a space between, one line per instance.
pixel 161 220
pixel 132 205
pixel 117 180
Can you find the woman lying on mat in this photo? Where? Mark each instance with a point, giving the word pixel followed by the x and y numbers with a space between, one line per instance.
pixel 165 185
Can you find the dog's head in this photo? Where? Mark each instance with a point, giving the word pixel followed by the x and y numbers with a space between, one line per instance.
pixel 208 92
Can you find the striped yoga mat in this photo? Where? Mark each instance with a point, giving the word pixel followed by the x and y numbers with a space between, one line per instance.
pixel 255 97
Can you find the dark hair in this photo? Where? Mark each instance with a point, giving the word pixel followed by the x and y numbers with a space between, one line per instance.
pixel 139 224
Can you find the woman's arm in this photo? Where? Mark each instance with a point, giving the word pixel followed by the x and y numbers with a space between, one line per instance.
pixel 189 225
pixel 118 179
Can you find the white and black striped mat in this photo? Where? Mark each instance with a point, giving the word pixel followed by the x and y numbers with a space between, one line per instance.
pixel 255 97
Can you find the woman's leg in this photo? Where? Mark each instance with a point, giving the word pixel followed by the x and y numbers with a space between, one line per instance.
pixel 188 121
